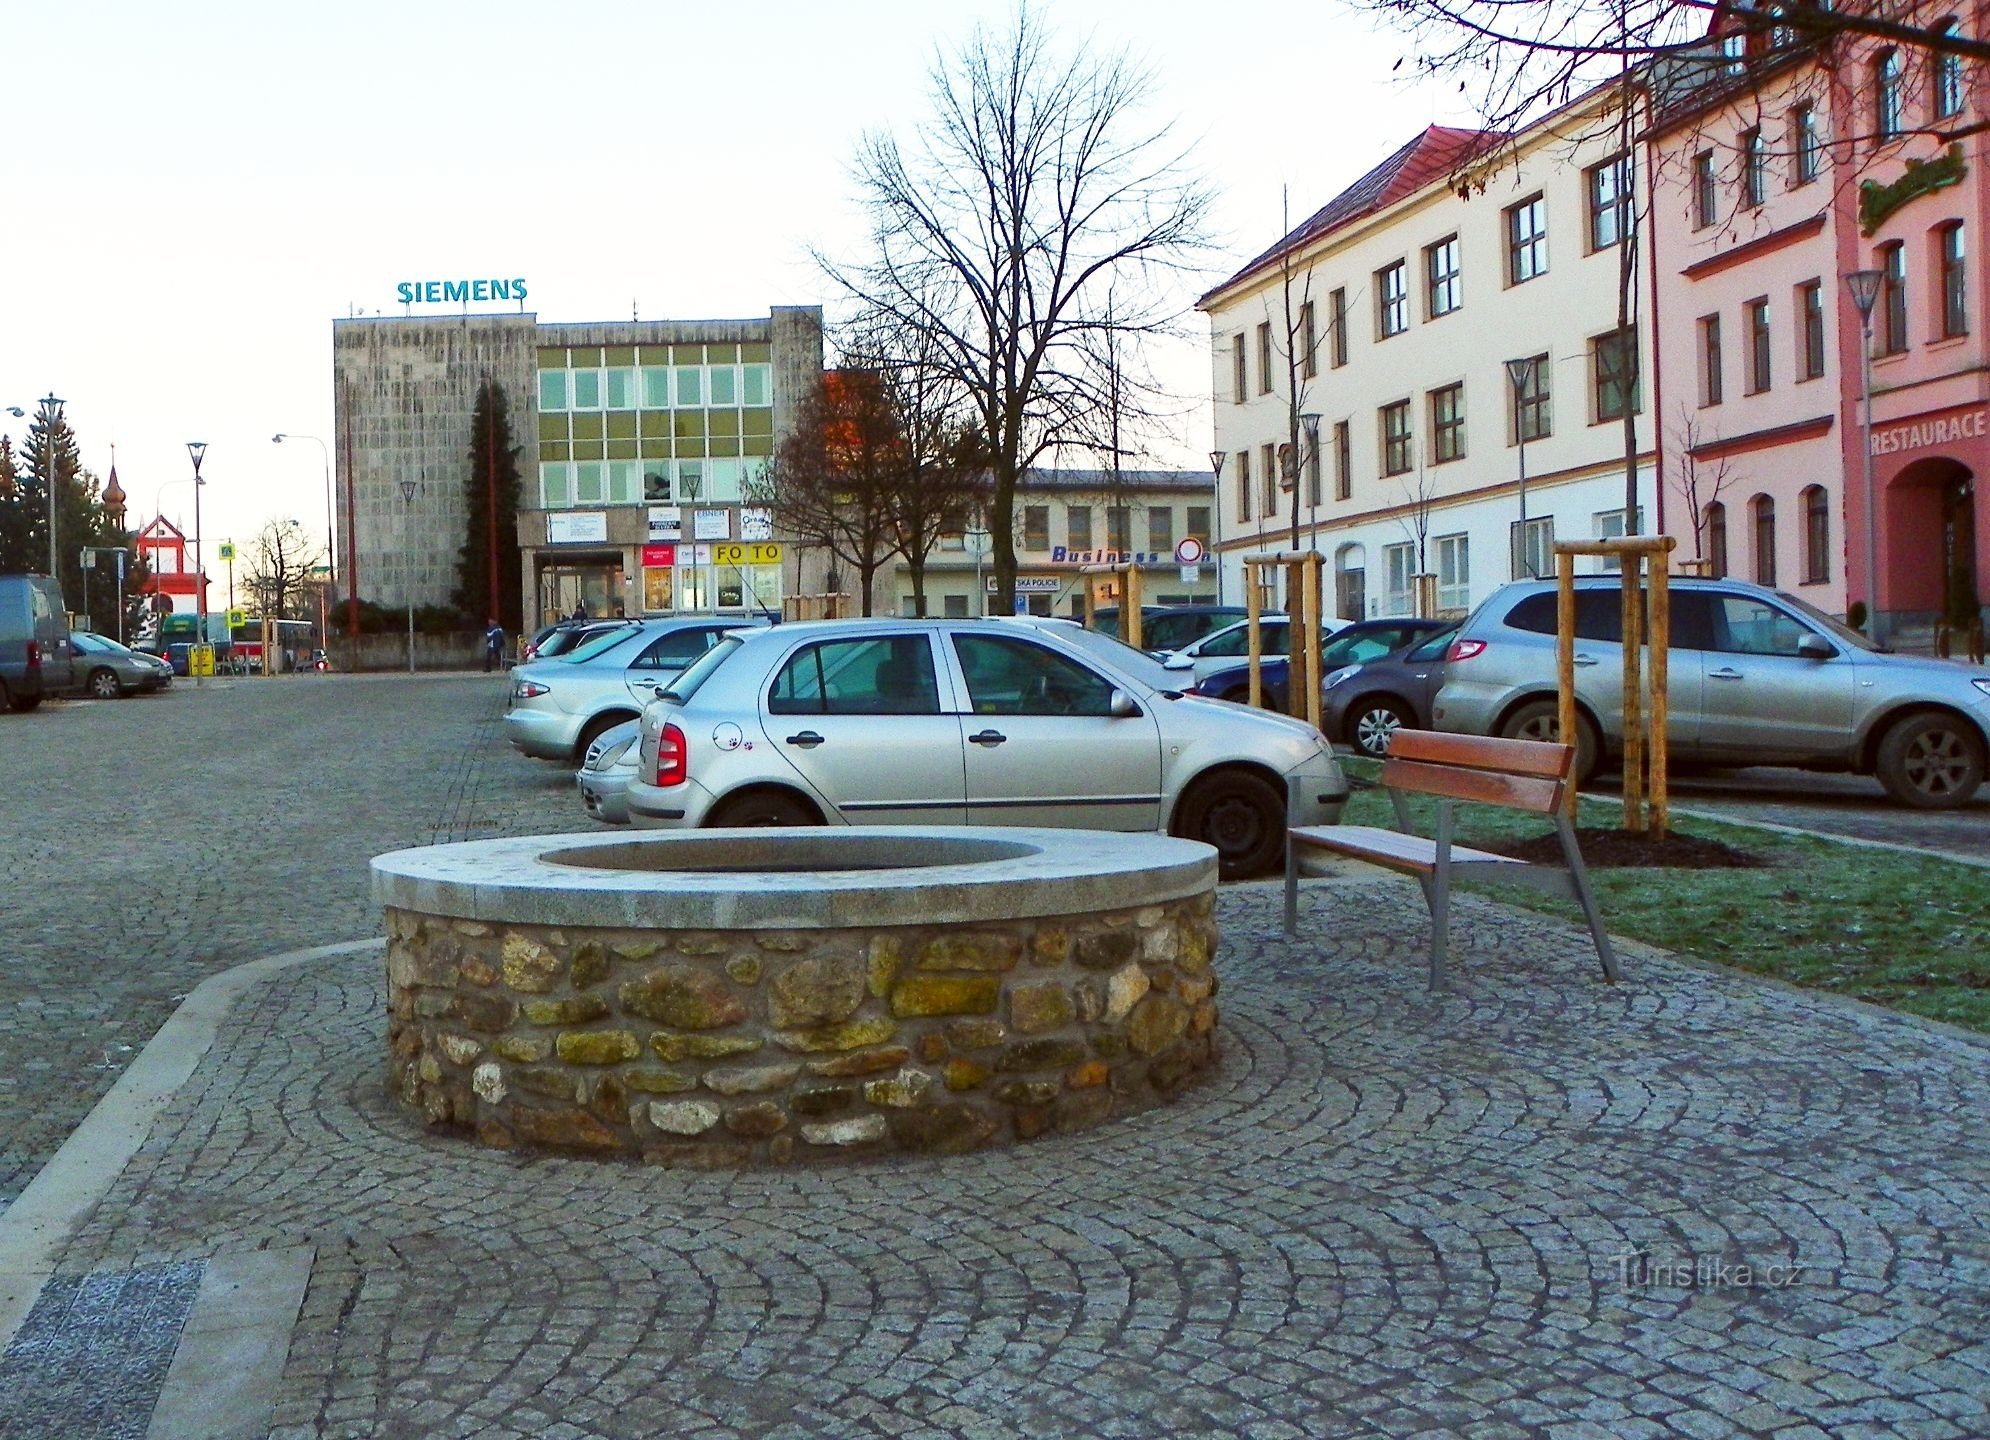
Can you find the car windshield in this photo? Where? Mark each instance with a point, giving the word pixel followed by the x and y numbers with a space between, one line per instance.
pixel 1837 629
pixel 1118 654
pixel 599 645
pixel 699 671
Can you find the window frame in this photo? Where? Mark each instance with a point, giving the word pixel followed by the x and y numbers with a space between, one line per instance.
pixel 1337 327
pixel 1395 601
pixel 1815 508
pixel 1622 343
pixel 1893 298
pixel 1713 520
pixel 1754 168
pixel 1761 372
pixel 1397 446
pixel 1454 560
pixel 1244 485
pixel 1947 92
pixel 1529 249
pixel 1240 376
pixel 1762 538
pixel 1446 286
pixel 1264 358
pixel 1392 300
pixel 1706 191
pixel 1812 353
pixel 1447 430
pixel 1889 96
pixel 1343 460
pixel 1806 147
pixel 1535 398
pixel 1309 359
pixel 1712 366
pixel 1615 212
pixel 1036 533
pixel 1952 261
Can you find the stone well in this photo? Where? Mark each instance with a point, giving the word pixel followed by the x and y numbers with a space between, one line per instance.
pixel 782 996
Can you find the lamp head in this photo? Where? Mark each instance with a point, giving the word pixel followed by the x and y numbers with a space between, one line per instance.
pixel 198 450
pixel 17 412
pixel 1518 371
pixel 276 439
pixel 408 491
pixel 1216 459
pixel 1864 285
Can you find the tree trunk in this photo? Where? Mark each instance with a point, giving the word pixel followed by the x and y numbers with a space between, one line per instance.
pixel 918 569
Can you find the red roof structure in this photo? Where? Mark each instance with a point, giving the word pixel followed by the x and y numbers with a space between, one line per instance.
pixel 163 547
pixel 1438 152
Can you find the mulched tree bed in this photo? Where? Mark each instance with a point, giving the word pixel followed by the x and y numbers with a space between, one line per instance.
pixel 1618 848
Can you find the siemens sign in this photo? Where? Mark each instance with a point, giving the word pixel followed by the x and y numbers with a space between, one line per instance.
pixel 457 292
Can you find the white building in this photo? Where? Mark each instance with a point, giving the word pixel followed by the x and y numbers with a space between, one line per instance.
pixel 1408 293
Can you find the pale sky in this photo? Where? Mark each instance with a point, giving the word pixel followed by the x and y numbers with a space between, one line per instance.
pixel 194 192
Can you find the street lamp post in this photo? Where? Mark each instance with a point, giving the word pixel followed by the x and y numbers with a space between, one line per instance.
pixel 1520 372
pixel 408 531
pixel 1216 459
pixel 198 450
pixel 331 535
pixel 1865 286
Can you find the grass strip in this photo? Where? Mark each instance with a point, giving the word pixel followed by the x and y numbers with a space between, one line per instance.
pixel 1905 931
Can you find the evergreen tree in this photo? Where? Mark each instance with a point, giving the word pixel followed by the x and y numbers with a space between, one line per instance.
pixel 492 479
pixel 81 519
pixel 15 503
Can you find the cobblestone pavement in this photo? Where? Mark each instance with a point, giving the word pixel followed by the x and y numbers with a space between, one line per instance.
pixel 155 840
pixel 1386 1214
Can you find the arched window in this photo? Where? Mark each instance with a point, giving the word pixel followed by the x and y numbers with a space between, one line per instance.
pixel 1350 583
pixel 1816 535
pixel 1716 539
pixel 1887 121
pixel 1948 76
pixel 1762 515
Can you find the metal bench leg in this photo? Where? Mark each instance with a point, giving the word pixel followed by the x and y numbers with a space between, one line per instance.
pixel 1438 894
pixel 1579 878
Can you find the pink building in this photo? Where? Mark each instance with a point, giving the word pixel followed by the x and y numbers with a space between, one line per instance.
pixel 1774 178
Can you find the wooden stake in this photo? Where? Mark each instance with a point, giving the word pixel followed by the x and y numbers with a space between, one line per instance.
pixel 1565 663
pixel 1256 635
pixel 1631 593
pixel 1661 709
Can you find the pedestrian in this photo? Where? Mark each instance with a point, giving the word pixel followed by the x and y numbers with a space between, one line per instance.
pixel 493 646
pixel 580 610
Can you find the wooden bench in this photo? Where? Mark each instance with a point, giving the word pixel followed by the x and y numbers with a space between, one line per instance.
pixel 1516 774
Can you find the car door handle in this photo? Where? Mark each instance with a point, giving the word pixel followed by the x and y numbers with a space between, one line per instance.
pixel 1585 659
pixel 808 739
pixel 989 738
pixel 1725 673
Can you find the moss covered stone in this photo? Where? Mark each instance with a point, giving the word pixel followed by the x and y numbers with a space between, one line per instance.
pixel 863 1062
pixel 1039 1005
pixel 677 1048
pixel 821 990
pixel 1042 1055
pixel 596 1047
pixel 573 1010
pixel 855 1035
pixel 982 951
pixel 659 1082
pixel 687 998
pixel 946 995
pixel 1106 951
pixel 1157 1022
pixel 590 965
pixel 965 1074
pixel 527 1048
pixel 529 967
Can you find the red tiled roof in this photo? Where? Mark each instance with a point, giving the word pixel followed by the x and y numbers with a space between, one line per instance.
pixel 1437 152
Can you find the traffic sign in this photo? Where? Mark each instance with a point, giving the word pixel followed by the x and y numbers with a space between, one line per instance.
pixel 227 551
pixel 1189 551
pixel 237 618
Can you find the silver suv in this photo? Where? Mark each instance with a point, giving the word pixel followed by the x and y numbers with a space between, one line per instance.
pixel 1757 677
pixel 980 722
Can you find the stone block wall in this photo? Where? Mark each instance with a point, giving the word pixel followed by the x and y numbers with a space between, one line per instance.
pixel 715 1048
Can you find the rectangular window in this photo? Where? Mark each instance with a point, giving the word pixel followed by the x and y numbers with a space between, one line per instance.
pixel 1238 378
pixel 1198 522
pixel 955 606
pixel 1392 300
pixel 656 387
pixel 1078 527
pixel 1399 563
pixel 1268 468
pixel 1161 529
pixel 1887 119
pixel 1610 201
pixel 756 385
pixel 1312 441
pixel 555 480
pixel 690 386
pixel 1337 328
pixel 587 389
pixel 1443 287
pixel 1454 572
pixel 552 389
pixel 1243 484
pixel 1816 536
pixel 625 482
pixel 1396 438
pixel 622 388
pixel 1533 419
pixel 1036 527
pixel 1757 312
pixel 1527 240
pixel 1343 461
pixel 588 483
pixel 1893 298
pixel 1119 530
pixel 1754 169
pixel 1309 355
pixel 1532 548
pixel 1710 360
pixel 1706 192
pixel 1948 76
pixel 1804 145
pixel 1264 358
pixel 1955 281
pixel 1762 515
pixel 1610 526
pixel 1447 423
pixel 722 385
pixel 1810 305
pixel 1614 364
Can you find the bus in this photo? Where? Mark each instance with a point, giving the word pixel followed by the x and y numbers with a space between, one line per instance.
pixel 291 640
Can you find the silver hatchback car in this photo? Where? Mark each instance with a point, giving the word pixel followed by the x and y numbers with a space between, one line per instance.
pixel 1756 677
pixel 991 721
pixel 559 707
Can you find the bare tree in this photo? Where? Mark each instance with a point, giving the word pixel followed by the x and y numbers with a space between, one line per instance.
pixel 1699 483
pixel 277 576
pixel 1032 191
pixel 834 479
pixel 1420 495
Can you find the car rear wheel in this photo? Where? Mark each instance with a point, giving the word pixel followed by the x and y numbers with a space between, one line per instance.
pixel 103 685
pixel 761 807
pixel 1537 720
pixel 1242 815
pixel 1931 762
pixel 1372 723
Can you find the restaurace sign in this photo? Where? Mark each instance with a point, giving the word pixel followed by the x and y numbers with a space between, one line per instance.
pixel 1940 430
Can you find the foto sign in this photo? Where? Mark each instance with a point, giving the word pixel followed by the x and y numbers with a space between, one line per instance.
pixel 746 554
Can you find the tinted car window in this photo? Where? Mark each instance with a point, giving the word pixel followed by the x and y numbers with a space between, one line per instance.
pixel 687 684
pixel 1014 677
pixel 1167 631
pixel 886 676
pixel 675 650
pixel 1598 614
pixel 597 643
pixel 1746 626
pixel 1271 637
pixel 1433 648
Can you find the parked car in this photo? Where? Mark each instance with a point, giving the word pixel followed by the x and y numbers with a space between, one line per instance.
pixel 1170 627
pixel 1004 721
pixel 1366 703
pixel 561 706
pixel 563 637
pixel 1363 640
pixel 105 669
pixel 34 641
pixel 605 773
pixel 1220 649
pixel 1757 677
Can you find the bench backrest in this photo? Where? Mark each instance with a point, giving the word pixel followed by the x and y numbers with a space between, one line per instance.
pixel 1519 774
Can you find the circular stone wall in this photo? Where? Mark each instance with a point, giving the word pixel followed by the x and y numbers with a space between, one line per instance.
pixel 776 997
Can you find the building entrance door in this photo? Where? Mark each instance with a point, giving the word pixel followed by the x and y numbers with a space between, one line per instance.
pixel 593 580
pixel 1963 599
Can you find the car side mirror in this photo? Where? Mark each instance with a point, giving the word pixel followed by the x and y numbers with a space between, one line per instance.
pixel 1816 647
pixel 1178 661
pixel 1123 706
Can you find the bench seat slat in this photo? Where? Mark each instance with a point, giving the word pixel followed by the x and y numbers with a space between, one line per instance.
pixel 1483 752
pixel 1411 853
pixel 1485 787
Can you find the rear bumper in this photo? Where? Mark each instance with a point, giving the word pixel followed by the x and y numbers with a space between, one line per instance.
pixel 605 793
pixel 543 734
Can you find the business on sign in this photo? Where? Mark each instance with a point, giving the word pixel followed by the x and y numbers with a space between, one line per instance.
pixel 458 292
pixel 1939 430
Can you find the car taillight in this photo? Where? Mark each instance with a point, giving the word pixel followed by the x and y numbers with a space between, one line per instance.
pixel 529 690
pixel 672 763
pixel 1464 650
pixel 34 655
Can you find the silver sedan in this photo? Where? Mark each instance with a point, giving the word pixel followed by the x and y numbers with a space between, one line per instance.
pixel 993 722
pixel 605 774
